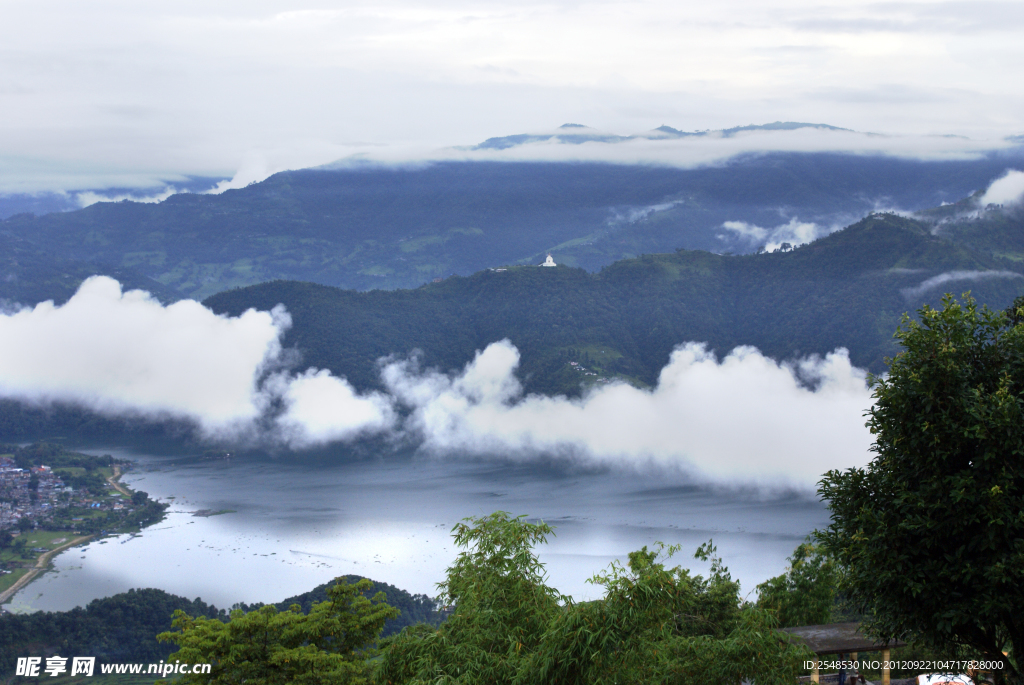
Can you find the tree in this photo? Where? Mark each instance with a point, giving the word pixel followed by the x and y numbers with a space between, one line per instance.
pixel 500 602
pixel 806 593
pixel 654 624
pixel 332 643
pixel 931 533
pixel 660 625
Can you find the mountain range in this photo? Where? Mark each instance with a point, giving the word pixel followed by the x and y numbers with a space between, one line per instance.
pixel 377 226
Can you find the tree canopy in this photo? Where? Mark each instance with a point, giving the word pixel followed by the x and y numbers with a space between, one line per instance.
pixel 806 594
pixel 331 643
pixel 931 533
pixel 653 625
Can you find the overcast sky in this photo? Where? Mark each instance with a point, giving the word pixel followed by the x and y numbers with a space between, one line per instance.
pixel 131 93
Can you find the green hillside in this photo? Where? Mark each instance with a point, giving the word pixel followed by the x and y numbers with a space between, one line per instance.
pixel 995 230
pixel 123 628
pixel 848 289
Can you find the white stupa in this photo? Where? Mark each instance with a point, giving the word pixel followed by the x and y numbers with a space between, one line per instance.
pixel 549 262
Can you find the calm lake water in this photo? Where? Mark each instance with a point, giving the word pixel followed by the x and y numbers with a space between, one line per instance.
pixel 298 523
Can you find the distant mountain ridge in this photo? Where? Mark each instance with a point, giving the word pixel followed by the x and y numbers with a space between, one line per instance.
pixel 576 134
pixel 380 227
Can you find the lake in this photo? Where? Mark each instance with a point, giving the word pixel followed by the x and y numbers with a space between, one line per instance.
pixel 296 523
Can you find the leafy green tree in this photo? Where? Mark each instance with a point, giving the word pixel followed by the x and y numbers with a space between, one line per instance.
pixel 931 533
pixel 654 625
pixel 332 643
pixel 806 593
pixel 500 602
pixel 660 625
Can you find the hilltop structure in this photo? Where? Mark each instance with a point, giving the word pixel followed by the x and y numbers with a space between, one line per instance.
pixel 549 262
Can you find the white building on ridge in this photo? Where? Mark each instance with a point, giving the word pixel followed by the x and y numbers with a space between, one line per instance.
pixel 549 262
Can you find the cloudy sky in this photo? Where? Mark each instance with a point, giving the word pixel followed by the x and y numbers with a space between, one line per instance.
pixel 117 93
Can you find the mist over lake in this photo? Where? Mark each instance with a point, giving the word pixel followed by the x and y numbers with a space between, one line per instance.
pixel 296 523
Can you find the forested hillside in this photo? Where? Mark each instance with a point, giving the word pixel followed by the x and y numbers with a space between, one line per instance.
pixel 29 274
pixel 415 608
pixel 367 227
pixel 995 230
pixel 846 290
pixel 114 629
pixel 123 628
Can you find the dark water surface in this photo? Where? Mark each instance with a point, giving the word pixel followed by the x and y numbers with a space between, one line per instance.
pixel 298 523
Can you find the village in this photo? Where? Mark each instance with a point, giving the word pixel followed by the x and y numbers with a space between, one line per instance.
pixel 29 497
pixel 45 508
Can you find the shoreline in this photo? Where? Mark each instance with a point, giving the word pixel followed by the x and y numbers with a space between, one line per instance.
pixel 42 564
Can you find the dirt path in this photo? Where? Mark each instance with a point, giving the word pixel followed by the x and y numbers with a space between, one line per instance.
pixel 41 564
pixel 117 486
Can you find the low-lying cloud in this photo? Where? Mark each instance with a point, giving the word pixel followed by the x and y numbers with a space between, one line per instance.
pixel 934 282
pixel 690 151
pixel 321 408
pixel 89 197
pixel 744 417
pixel 794 232
pixel 125 354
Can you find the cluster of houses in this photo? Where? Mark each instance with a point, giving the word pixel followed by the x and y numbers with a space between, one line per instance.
pixel 582 369
pixel 17 486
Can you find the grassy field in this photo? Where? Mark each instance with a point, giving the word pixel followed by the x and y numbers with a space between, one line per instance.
pixel 44 539
pixel 9 579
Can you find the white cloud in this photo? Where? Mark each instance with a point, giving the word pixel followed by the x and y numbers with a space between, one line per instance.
pixel 321 408
pixel 125 354
pixel 88 197
pixel 744 418
pixel 1005 190
pixel 692 151
pixel 751 232
pixel 953 276
pixel 794 232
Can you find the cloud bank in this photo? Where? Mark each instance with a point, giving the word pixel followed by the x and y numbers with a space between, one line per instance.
pixel 125 354
pixel 1005 190
pixel 742 418
pixel 89 197
pixel 745 417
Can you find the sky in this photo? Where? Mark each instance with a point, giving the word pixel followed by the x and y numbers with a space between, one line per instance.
pixel 127 94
